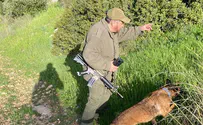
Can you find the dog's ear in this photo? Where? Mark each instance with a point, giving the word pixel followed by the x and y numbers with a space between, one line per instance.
pixel 168 82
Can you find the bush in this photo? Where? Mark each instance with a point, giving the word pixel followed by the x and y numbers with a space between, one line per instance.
pixel 167 14
pixel 16 8
pixel 194 14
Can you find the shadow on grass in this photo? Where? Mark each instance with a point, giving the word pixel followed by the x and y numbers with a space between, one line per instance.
pixel 51 76
pixel 45 100
pixel 82 89
pixel 45 103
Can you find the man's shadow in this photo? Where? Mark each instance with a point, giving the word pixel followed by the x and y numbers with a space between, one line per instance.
pixel 82 91
pixel 51 76
pixel 44 97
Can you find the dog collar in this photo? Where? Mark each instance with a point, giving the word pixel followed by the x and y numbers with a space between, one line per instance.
pixel 167 91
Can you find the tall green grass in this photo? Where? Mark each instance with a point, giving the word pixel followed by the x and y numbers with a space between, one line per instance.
pixel 176 55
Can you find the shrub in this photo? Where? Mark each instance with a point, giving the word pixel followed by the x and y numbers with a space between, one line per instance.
pixel 167 14
pixel 194 14
pixel 16 8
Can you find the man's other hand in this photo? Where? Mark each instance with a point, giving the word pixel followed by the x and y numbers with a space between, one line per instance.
pixel 146 27
pixel 113 68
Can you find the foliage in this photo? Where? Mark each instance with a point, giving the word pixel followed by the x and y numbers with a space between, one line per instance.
pixel 167 14
pixel 189 2
pixel 195 13
pixel 16 8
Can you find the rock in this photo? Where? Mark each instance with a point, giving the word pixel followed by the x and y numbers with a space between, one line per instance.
pixel 43 110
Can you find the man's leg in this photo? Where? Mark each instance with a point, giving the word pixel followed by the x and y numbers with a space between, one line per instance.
pixel 98 95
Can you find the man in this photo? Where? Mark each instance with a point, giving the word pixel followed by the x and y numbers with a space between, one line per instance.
pixel 101 48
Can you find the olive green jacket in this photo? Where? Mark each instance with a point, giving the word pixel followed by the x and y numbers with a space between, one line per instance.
pixel 102 46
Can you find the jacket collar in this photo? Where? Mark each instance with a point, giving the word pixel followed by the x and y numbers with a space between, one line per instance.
pixel 107 27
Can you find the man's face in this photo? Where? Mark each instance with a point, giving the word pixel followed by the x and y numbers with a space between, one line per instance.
pixel 117 25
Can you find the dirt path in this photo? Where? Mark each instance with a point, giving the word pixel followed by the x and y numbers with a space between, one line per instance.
pixel 18 91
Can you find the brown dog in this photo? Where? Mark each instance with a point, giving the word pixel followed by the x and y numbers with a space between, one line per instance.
pixel 158 103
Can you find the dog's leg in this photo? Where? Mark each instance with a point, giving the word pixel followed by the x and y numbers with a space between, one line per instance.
pixel 169 110
pixel 172 106
pixel 153 121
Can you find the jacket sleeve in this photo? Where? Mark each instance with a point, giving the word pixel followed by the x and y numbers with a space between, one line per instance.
pixel 92 54
pixel 130 33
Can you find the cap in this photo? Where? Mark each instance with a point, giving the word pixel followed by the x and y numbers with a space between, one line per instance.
pixel 117 14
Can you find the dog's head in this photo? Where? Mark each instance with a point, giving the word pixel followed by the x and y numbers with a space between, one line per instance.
pixel 174 90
